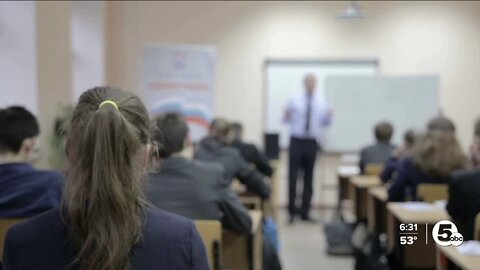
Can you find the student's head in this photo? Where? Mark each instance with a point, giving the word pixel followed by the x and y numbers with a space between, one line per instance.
pixel 383 132
pixel 171 132
pixel 106 148
pixel 441 123
pixel 237 131
pixel 409 139
pixel 18 134
pixel 310 82
pixel 220 129
pixel 438 153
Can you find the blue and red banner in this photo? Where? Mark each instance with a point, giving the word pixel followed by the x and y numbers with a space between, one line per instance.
pixel 181 79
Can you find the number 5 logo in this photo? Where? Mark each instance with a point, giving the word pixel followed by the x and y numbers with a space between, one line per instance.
pixel 445 233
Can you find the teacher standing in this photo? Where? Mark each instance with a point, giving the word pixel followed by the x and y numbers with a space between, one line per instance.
pixel 308 114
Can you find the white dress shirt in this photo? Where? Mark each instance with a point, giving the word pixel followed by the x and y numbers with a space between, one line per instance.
pixel 296 115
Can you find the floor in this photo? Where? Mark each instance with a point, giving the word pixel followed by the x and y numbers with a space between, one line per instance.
pixel 303 245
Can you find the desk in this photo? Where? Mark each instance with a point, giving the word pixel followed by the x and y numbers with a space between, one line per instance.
pixel 359 185
pixel 449 255
pixel 257 232
pixel 420 254
pixel 377 199
pixel 274 202
pixel 251 200
pixel 344 173
pixel 244 252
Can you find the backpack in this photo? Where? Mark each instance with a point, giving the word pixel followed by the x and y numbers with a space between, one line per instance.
pixel 339 234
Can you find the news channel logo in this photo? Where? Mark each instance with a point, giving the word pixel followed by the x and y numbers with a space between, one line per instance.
pixel 445 233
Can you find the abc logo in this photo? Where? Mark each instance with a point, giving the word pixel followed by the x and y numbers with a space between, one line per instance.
pixel 445 233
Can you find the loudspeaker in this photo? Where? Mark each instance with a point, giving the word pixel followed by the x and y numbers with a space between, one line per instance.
pixel 272 147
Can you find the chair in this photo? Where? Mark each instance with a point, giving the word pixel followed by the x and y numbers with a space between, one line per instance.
pixel 374 169
pixel 432 192
pixel 244 252
pixel 5 224
pixel 236 251
pixel 476 233
pixel 211 233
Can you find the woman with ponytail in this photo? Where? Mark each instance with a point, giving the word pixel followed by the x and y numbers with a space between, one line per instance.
pixel 104 222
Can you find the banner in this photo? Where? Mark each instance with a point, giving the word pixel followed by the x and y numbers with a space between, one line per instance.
pixel 180 79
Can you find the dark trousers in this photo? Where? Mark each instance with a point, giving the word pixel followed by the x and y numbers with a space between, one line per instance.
pixel 302 155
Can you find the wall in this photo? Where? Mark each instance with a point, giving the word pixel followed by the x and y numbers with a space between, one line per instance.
pixel 53 66
pixel 18 54
pixel 35 55
pixel 88 45
pixel 407 37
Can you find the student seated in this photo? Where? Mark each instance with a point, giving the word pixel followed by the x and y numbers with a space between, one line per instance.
pixel 191 188
pixel 381 150
pixel 475 147
pixel 464 190
pixel 216 148
pixel 24 190
pixel 434 157
pixel 250 152
pixel 105 222
pixel 391 166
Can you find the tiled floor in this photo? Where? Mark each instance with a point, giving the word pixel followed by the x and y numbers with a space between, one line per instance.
pixel 303 246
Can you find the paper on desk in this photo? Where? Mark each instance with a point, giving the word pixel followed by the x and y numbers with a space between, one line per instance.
pixel 469 248
pixel 442 204
pixel 418 206
pixel 348 170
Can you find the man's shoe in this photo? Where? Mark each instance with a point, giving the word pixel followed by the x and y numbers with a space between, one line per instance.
pixel 309 219
pixel 291 219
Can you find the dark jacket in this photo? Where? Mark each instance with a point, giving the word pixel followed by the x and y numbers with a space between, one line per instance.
pixel 390 169
pixel 407 180
pixel 464 199
pixel 26 191
pixel 235 166
pixel 377 153
pixel 169 242
pixel 196 190
pixel 251 154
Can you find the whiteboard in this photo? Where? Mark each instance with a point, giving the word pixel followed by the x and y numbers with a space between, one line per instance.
pixel 284 78
pixel 360 102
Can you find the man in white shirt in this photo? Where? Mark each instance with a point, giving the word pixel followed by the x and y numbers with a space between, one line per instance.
pixel 307 115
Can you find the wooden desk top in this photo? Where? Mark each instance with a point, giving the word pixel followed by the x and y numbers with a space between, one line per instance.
pixel 365 181
pixel 256 216
pixel 417 216
pixel 381 193
pixel 464 261
pixel 237 186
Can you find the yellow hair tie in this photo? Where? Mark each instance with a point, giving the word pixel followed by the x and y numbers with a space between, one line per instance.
pixel 108 102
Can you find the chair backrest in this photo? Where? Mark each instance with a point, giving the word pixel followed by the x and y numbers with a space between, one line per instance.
pixel 476 233
pixel 432 192
pixel 374 169
pixel 5 224
pixel 211 233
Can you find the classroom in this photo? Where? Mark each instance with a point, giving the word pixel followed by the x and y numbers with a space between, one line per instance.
pixel 247 135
